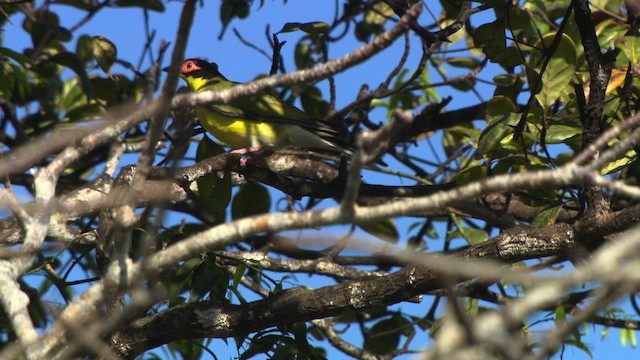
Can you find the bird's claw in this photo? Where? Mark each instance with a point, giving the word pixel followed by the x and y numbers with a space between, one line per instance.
pixel 245 151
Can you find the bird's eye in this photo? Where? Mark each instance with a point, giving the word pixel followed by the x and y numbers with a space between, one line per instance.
pixel 189 65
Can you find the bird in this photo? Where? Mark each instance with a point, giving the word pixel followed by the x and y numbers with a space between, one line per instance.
pixel 257 122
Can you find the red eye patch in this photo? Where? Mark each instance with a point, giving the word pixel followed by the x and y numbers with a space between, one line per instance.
pixel 189 66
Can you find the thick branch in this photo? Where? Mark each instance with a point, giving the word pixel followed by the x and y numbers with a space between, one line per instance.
pixel 219 320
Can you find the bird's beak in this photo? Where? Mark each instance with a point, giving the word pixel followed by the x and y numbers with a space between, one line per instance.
pixel 166 69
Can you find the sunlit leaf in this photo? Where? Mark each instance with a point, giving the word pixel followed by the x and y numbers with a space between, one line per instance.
pixel 505 79
pixel 105 53
pixel 609 32
pixel 558 134
pixel 501 120
pixel 560 315
pixel 621 163
pixel 630 45
pixel 471 235
pixel 470 174
pixel 464 62
pixel 624 336
pixel 559 72
pixel 617 78
pixel 546 217
pixel 238 274
pixel 384 229
pixel 374 19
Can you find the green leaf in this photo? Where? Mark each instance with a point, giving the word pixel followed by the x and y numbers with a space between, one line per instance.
pixel 84 50
pixel 251 199
pixel 609 33
pixel 560 315
pixel 238 274
pixel 262 345
pixel 464 62
pixel 154 5
pixel 303 56
pixel 214 189
pixel 188 349
pixel 20 58
pixel 374 19
pixel 378 13
pixel 491 39
pixel 630 45
pixel 505 79
pixel 558 134
pixel 470 174
pixel 546 217
pixel 509 57
pixel 86 5
pixel 85 112
pixel 624 337
pixel 105 53
pixel 471 235
pixel 555 8
pixel 313 103
pixel 201 285
pixel 384 337
pixel 70 60
pixel 464 85
pixel 384 229
pixel 106 90
pixel 499 106
pixel 621 163
pixel 580 345
pixel 559 71
pixel 474 236
pixel 220 284
pixel 6 85
pixel 311 28
pixel 520 21
pixel 230 9
pixel 45 29
pixel 501 121
pixel 234 8
pixel 186 269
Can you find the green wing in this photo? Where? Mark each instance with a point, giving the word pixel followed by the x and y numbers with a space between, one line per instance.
pixel 269 109
pixel 266 108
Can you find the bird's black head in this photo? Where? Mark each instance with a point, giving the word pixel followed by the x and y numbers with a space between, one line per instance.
pixel 198 68
pixel 198 73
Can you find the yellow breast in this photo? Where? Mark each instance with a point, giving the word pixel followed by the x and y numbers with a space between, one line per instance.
pixel 237 132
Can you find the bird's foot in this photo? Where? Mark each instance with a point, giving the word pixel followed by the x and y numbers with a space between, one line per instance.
pixel 254 151
pixel 245 151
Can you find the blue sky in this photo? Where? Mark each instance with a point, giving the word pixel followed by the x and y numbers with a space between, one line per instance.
pixel 240 63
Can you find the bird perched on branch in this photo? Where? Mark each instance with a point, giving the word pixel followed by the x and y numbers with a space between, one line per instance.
pixel 256 122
